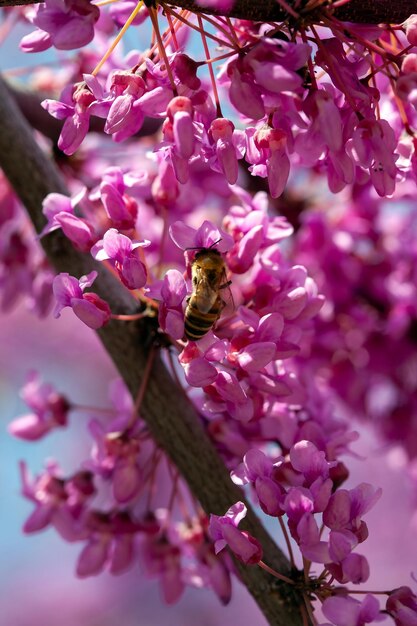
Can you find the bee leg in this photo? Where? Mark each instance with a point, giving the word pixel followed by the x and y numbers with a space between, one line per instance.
pixel 229 282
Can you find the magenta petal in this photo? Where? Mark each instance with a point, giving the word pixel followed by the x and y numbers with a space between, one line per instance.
pixel 182 235
pixel 269 495
pixel 256 356
pixel 278 170
pixel 29 427
pixel 56 203
pixel 356 568
pixel 73 132
pixel 57 109
pixel 341 544
pixel 276 77
pixel 133 273
pixel 270 327
pixel 76 33
pixel 87 280
pixel 92 558
pixel 220 580
pixel 65 288
pixel 341 611
pixel 318 552
pixel 246 548
pixel 39 519
pixel 245 96
pixel 229 388
pixel 38 41
pixel 242 255
pixel 77 230
pixel 308 530
pixel 172 584
pixel 208 234
pixel 337 513
pixel 257 463
pixel 116 245
pixel 122 554
pixel 174 324
pixel 118 113
pixel 184 134
pixel 226 154
pixel 173 289
pixel 200 373
pixel 88 313
pixel 126 481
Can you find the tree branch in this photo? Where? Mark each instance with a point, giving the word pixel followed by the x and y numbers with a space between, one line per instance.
pixel 170 417
pixel 361 11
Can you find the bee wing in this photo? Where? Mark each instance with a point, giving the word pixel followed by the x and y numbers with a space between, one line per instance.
pixel 205 295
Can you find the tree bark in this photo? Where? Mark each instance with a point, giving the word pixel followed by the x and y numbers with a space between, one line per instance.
pixel 361 11
pixel 169 415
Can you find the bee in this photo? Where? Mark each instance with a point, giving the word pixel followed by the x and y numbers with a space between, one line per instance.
pixel 204 306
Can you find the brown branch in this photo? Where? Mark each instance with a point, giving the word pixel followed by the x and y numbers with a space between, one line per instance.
pixel 361 11
pixel 167 411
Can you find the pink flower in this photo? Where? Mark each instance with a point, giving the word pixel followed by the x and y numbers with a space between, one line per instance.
pixel 222 132
pixel 125 116
pixel 64 24
pixel 205 236
pixel 171 291
pixel 120 250
pixel 89 307
pixel 78 103
pixel 50 410
pixel 402 606
pixel 58 502
pixel 345 611
pixel 224 531
pixel 258 469
pixel 115 457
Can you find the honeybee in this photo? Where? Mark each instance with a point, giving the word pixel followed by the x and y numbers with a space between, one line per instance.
pixel 204 306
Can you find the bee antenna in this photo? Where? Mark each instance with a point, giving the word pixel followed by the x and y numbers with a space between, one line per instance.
pixel 203 248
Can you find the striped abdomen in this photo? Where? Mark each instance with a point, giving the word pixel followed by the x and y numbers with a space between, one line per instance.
pixel 197 324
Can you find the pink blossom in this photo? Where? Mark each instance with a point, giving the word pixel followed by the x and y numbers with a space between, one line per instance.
pixel 64 24
pixel 89 307
pixel 78 103
pixel 402 606
pixel 205 236
pixel 59 503
pixel 50 410
pixel 224 532
pixel 120 250
pixel 345 611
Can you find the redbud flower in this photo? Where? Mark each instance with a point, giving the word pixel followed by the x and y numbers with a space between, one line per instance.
pixel 120 250
pixel 50 410
pixel 224 138
pixel 258 469
pixel 402 606
pixel 171 291
pixel 89 307
pixel 205 236
pixel 410 26
pixel 125 117
pixel 224 531
pixel 345 611
pixel 78 103
pixel 64 24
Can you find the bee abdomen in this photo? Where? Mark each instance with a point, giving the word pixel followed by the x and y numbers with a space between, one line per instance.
pixel 197 324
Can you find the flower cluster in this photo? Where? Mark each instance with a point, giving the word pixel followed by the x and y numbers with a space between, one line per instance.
pixel 286 310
